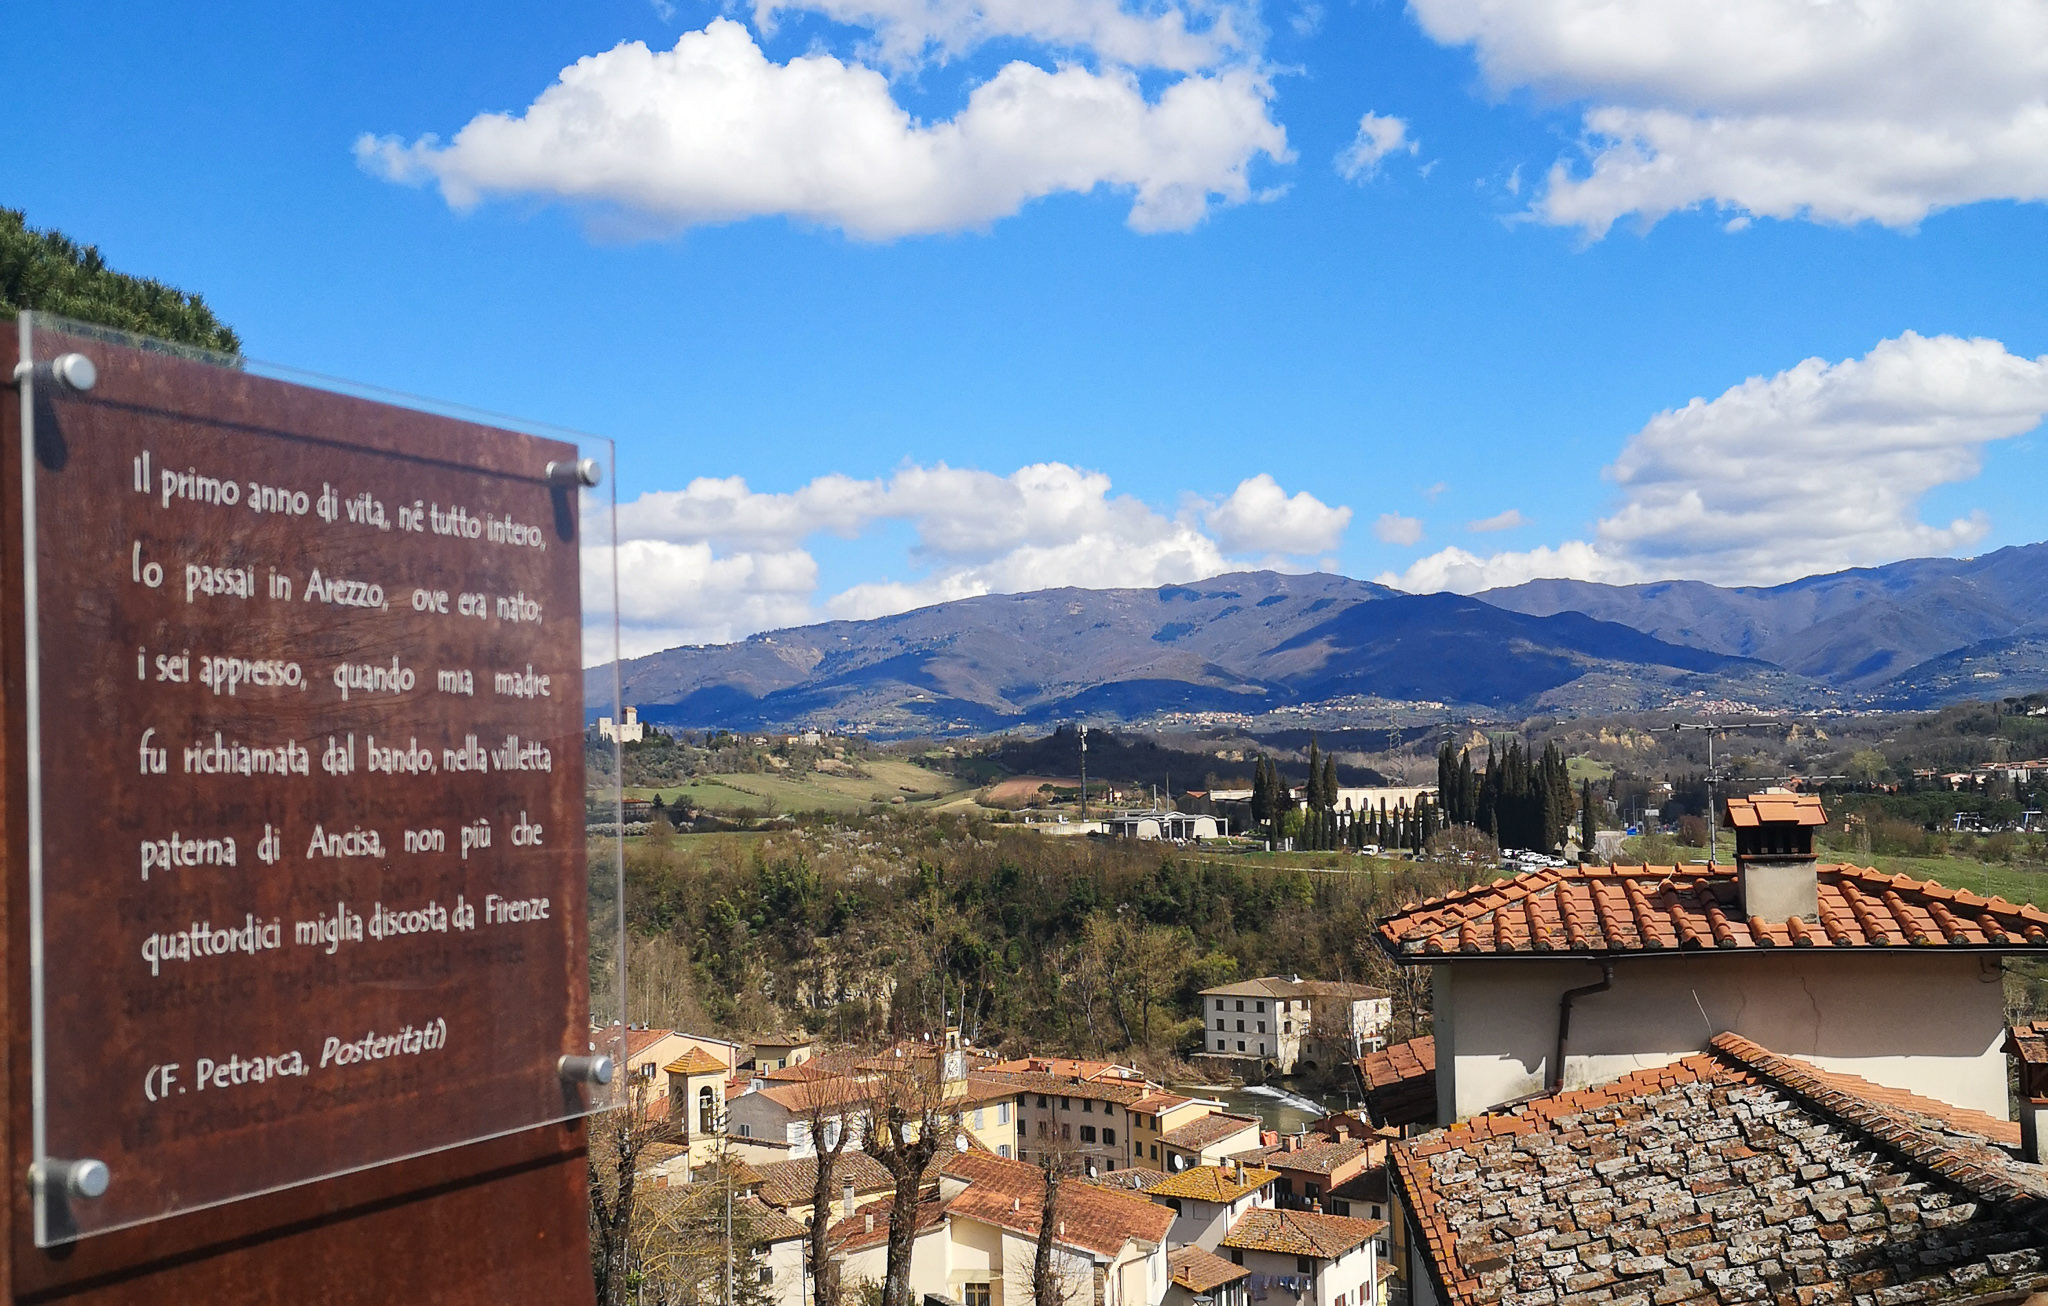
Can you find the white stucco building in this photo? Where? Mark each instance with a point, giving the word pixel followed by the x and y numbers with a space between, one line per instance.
pixel 1576 976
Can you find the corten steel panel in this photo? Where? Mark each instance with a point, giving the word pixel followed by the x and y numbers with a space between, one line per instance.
pixel 512 995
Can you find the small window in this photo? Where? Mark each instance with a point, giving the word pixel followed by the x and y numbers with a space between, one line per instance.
pixel 1041 1101
pixel 1155 1151
pixel 1066 1105
pixel 1219 1022
pixel 1109 1137
pixel 1236 1256
pixel 1240 1004
pixel 1375 1212
pixel 1003 1150
pixel 1041 1129
pixel 1303 1265
pixel 1262 1049
pixel 767 1274
pixel 1087 1133
pixel 1003 1113
pixel 978 1122
pixel 1262 1006
pixel 1262 1027
pixel 1219 1045
pixel 1067 1131
pixel 1087 1104
pixel 1240 1045
pixel 746 1131
pixel 1240 1027
pixel 975 1294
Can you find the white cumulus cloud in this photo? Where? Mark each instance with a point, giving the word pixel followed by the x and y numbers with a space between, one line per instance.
pixel 714 131
pixel 1259 517
pixel 1838 110
pixel 718 560
pixel 1818 468
pixel 1500 521
pixel 1393 528
pixel 1378 136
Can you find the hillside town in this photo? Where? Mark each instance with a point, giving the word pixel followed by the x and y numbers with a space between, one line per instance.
pixel 1641 1084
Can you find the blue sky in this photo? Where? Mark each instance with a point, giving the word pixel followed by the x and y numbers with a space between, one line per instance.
pixel 833 344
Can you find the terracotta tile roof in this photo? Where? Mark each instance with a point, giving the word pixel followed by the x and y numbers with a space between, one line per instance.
pixel 1158 1102
pixel 637 1040
pixel 1208 1130
pixel 837 1092
pixel 1099 1220
pixel 997 1173
pixel 789 1183
pixel 2029 1042
pixel 853 1233
pixel 1067 1086
pixel 1592 910
pixel 1735 1175
pixel 1299 1233
pixel 1775 807
pixel 1199 1271
pixel 783 1041
pixel 696 1062
pixel 1318 1157
pixel 799 1074
pixel 982 1090
pixel 764 1223
pixel 1134 1179
pixel 1212 1183
pixel 1274 986
pixel 1400 1082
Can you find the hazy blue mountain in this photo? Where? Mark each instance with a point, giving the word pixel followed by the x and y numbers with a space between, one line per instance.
pixel 1247 642
pixel 1864 630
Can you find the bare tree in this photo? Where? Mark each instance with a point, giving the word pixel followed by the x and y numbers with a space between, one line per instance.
pixel 824 1118
pixel 619 1140
pixel 695 1245
pixel 903 1127
pixel 1046 1288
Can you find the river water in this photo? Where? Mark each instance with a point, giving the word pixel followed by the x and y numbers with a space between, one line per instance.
pixel 1283 1110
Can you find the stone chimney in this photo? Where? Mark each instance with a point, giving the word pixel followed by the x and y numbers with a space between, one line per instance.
pixel 1774 857
pixel 1291 1142
pixel 846 1199
pixel 1343 1133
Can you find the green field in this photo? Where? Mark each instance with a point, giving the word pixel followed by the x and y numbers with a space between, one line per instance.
pixel 770 792
pixel 1581 769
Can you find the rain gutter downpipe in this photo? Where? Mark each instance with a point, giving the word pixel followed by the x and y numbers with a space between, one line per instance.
pixel 1564 1017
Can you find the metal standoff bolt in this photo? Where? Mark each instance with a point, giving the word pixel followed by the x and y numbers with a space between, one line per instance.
pixel 83 1179
pixel 74 372
pixel 582 471
pixel 581 1070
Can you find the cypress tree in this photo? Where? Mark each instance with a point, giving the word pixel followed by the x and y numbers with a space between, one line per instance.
pixel 1585 820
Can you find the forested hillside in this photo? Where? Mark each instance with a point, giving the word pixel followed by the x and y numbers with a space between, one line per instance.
pixel 1037 943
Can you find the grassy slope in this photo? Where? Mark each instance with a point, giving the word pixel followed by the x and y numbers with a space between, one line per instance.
pixel 819 791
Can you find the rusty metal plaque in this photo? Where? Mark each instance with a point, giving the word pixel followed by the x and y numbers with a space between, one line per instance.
pixel 306 737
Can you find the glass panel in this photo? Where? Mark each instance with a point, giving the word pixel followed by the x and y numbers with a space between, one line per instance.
pixel 306 724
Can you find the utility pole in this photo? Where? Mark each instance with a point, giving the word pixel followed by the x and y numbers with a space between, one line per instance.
pixel 1084 775
pixel 1713 810
pixel 1712 728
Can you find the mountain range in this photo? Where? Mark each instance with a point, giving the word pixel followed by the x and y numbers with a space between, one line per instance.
pixel 1911 634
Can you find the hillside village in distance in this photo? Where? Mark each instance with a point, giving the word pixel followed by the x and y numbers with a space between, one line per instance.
pixel 1611 1069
